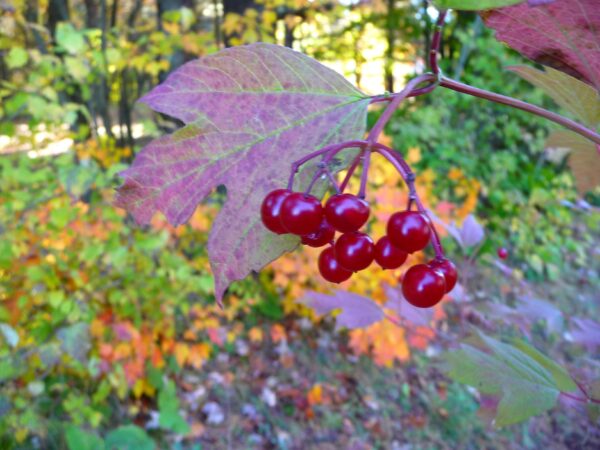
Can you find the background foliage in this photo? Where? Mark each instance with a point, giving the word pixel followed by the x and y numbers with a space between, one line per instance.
pixel 110 336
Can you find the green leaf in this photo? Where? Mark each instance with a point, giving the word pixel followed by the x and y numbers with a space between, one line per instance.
pixel 10 334
pixel 16 58
pixel 168 407
pixel 77 67
pixel 526 387
pixel 75 340
pixel 129 437
pixel 69 39
pixel 473 5
pixel 78 439
pixel 563 380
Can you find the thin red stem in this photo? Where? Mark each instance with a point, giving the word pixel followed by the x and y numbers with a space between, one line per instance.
pixel 334 148
pixel 366 158
pixel 351 171
pixel 398 98
pixel 409 178
pixel 332 180
pixel 513 102
pixel 436 41
pixel 414 93
pixel 580 399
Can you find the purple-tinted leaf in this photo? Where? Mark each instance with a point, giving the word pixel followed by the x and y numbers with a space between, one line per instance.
pixel 564 34
pixel 535 310
pixel 585 332
pixel 249 112
pixel 471 232
pixel 356 311
pixel 534 3
pixel 506 314
pixel 451 228
pixel 397 303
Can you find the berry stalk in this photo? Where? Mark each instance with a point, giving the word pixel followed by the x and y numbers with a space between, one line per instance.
pixel 351 171
pixel 409 178
pixel 397 99
pixel 524 106
pixel 436 41
pixel 366 159
pixel 334 148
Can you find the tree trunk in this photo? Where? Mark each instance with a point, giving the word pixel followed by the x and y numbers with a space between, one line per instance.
pixel 237 7
pixel 390 25
pixel 58 11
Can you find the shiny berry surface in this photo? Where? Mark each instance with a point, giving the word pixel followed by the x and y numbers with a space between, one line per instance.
pixel 423 286
pixel 448 270
pixel 502 253
pixel 388 255
pixel 346 212
pixel 355 251
pixel 301 213
pixel 323 236
pixel 271 209
pixel 409 231
pixel 330 268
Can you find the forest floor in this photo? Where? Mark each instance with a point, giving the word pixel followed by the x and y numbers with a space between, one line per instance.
pixel 310 391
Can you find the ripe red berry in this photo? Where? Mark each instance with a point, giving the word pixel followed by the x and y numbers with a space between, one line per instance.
pixel 271 209
pixel 448 270
pixel 388 255
pixel 354 250
pixel 330 268
pixel 324 235
pixel 301 213
pixel 346 212
pixel 422 286
pixel 409 230
pixel 502 253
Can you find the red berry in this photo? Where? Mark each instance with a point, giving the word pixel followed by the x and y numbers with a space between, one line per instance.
pixel 448 270
pixel 423 286
pixel 324 235
pixel 330 268
pixel 502 253
pixel 301 213
pixel 271 209
pixel 354 250
pixel 409 230
pixel 346 212
pixel 388 255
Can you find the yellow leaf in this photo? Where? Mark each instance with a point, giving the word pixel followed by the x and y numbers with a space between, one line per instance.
pixel 182 352
pixel 315 395
pixel 278 333
pixel 21 434
pixel 255 335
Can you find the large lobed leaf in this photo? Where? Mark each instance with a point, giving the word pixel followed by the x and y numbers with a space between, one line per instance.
pixel 583 101
pixel 564 34
pixel 249 112
pixel 528 382
pixel 580 99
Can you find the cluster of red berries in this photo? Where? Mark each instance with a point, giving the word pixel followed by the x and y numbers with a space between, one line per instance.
pixel 423 285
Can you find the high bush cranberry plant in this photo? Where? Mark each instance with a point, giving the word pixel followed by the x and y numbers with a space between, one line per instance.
pixel 275 127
